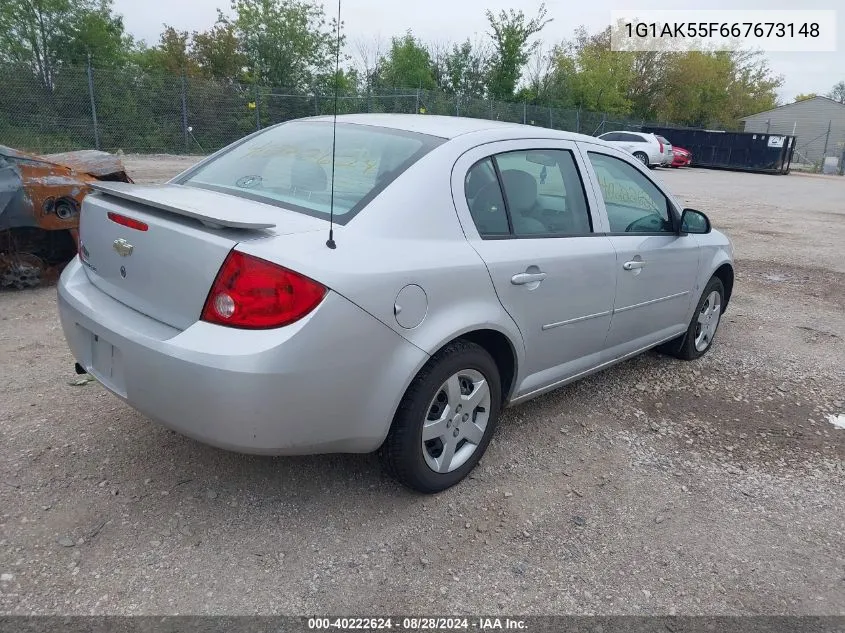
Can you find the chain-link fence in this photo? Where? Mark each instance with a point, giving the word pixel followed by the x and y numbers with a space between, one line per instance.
pixel 159 113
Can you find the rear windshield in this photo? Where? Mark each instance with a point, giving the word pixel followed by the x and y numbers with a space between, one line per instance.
pixel 290 165
pixel 663 140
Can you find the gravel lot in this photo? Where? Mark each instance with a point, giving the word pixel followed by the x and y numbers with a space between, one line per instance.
pixel 656 487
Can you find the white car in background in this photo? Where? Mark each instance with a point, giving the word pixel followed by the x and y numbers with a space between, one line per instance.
pixel 651 150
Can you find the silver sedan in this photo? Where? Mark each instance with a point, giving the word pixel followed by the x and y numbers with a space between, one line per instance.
pixel 393 294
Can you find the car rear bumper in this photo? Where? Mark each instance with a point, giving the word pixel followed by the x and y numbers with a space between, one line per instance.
pixel 328 383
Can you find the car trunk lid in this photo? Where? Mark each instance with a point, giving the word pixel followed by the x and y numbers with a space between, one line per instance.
pixel 158 248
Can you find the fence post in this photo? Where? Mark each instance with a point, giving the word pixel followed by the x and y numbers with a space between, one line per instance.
pixel 524 112
pixel 417 111
pixel 185 115
pixel 257 107
pixel 316 102
pixel 826 139
pixel 457 104
pixel 842 164
pixel 768 124
pixel 578 120
pixel 93 103
pixel 550 117
pixel 491 108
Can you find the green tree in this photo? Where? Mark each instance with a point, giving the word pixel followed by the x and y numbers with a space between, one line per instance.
pixel 217 52
pixel 838 92
pixel 462 69
pixel 595 77
pixel 511 33
pixel 717 88
pixel 752 85
pixel 804 97
pixel 288 43
pixel 407 64
pixel 171 55
pixel 695 89
pixel 44 34
pixel 95 33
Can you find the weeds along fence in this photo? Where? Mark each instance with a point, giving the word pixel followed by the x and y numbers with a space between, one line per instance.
pixel 84 107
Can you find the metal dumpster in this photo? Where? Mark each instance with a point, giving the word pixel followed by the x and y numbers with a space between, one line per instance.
pixel 741 151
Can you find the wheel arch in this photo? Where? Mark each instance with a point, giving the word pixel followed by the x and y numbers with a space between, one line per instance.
pixel 725 273
pixel 501 348
pixel 505 348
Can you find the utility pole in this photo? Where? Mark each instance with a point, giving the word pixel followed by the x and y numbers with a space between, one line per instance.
pixel 826 139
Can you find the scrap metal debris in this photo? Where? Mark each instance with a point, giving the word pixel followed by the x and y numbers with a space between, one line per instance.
pixel 40 199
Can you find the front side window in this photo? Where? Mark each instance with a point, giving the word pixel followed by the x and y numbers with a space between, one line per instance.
pixel 634 204
pixel 528 193
pixel 291 165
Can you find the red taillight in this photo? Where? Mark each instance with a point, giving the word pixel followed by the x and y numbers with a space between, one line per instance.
pixel 131 223
pixel 252 293
pixel 661 146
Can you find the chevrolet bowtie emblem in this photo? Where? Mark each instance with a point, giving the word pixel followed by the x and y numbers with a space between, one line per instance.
pixel 123 248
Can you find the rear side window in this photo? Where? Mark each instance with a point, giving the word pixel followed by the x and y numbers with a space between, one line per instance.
pixel 535 193
pixel 484 197
pixel 632 138
pixel 290 165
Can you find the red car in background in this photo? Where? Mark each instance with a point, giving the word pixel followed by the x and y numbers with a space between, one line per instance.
pixel 682 157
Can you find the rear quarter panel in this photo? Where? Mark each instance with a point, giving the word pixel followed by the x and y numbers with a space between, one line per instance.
pixel 409 234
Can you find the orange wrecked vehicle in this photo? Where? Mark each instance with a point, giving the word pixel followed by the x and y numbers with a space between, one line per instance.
pixel 40 199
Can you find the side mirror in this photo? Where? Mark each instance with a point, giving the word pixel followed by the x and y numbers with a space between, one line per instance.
pixel 693 221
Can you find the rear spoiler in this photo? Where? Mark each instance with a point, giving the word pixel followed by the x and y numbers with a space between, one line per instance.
pixel 187 202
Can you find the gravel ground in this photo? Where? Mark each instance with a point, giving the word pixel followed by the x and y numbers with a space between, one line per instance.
pixel 656 487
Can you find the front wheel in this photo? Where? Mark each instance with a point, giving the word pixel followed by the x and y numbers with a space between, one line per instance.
pixel 445 420
pixel 702 329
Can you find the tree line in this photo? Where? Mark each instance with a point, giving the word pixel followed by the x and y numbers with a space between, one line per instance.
pixel 292 44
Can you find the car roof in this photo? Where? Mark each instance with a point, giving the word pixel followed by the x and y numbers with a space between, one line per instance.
pixel 450 127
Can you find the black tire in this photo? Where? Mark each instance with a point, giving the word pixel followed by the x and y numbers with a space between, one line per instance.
pixel 684 346
pixel 402 451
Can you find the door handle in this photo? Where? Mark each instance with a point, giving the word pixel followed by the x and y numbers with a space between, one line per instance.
pixel 527 278
pixel 633 265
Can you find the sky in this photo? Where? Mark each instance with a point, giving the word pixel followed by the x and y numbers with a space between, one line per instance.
pixel 454 20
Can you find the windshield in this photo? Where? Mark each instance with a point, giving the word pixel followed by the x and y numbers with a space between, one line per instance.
pixel 290 165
